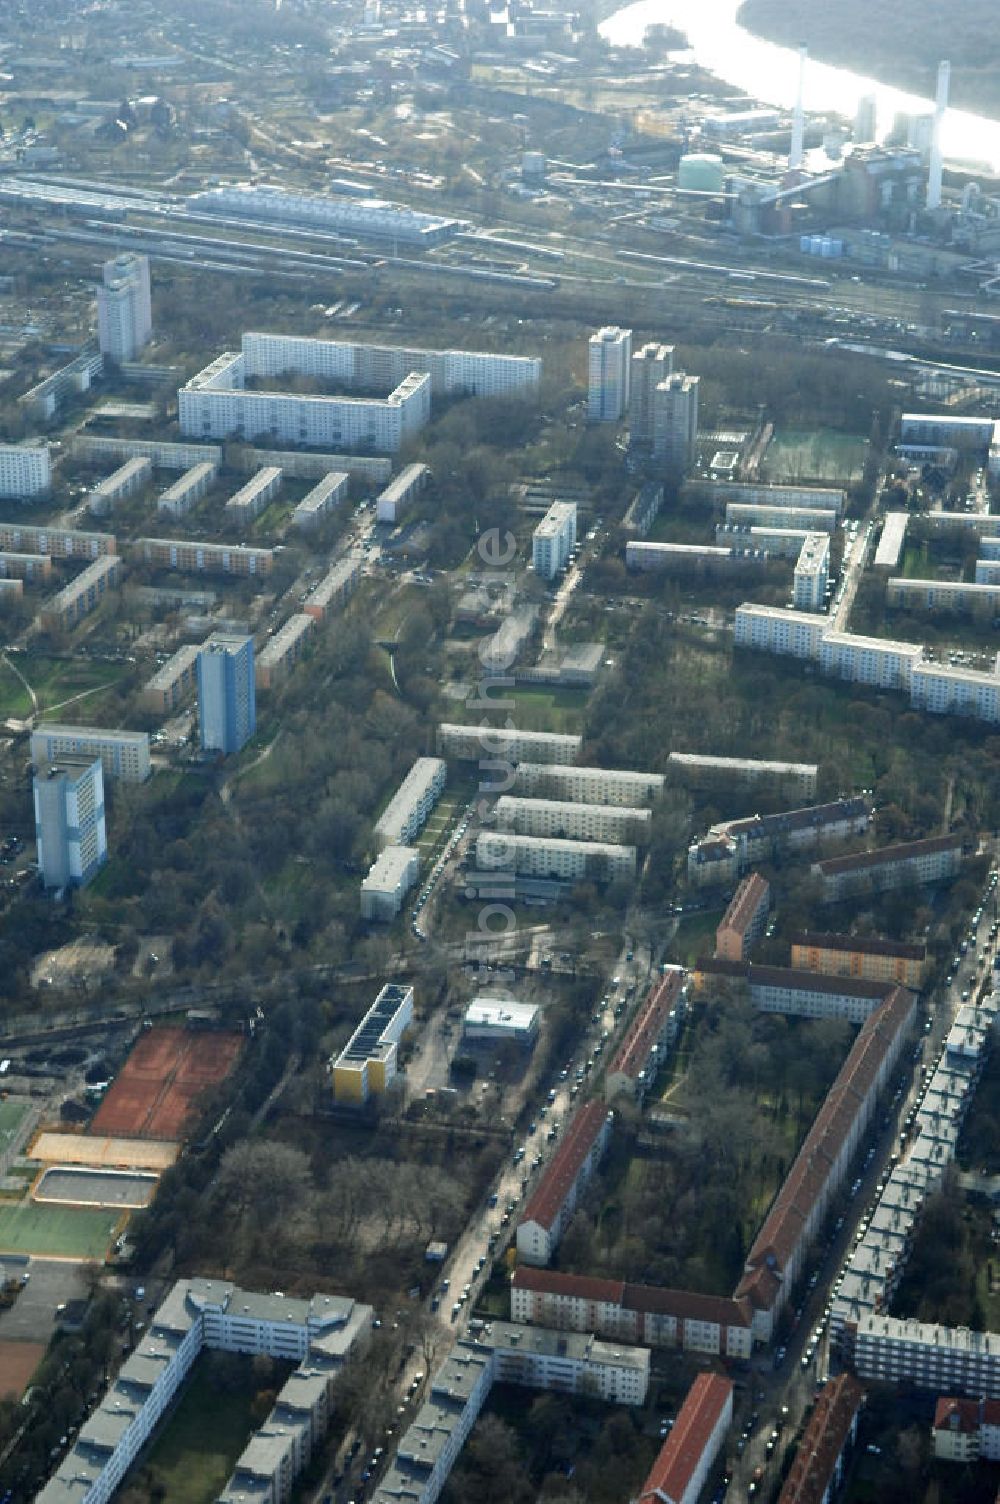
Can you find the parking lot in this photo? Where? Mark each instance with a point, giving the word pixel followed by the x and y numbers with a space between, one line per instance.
pixel 51 1283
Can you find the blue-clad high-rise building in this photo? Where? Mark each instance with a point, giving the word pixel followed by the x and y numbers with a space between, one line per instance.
pixel 69 819
pixel 227 701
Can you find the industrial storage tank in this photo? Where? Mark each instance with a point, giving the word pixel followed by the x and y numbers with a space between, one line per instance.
pixel 701 172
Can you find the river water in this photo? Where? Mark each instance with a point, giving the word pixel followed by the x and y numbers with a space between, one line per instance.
pixel 770 73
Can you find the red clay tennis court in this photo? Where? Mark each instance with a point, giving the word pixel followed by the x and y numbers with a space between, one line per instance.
pixel 161 1080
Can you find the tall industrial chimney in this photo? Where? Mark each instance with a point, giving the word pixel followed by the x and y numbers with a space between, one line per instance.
pixel 934 166
pixel 798 120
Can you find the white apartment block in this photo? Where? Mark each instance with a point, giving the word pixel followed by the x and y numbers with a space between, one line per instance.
pixel 551 857
pixel 281 652
pixel 503 1352
pixel 250 500
pixel 771 629
pixel 57 542
pixel 587 785
pixel 943 595
pixel 406 813
pixel 164 454
pixel 124 309
pixel 870 660
pixel 83 594
pixel 945 430
pixel 470 373
pixel 609 361
pixel 988 570
pixel 650 366
pixel 25 470
pixel 989 549
pixel 814 498
pixel 215 404
pixel 198 1314
pixel 188 489
pixel 700 770
pixel 71 837
pixel 553 540
pixel 494 746
pixel 569 1362
pixel 321 500
pixel 812 571
pixel 335 588
pixel 389 879
pixel 129 478
pixel 124 754
pixel 576 822
pixel 776 542
pixel 30 567
pixel 896 1350
pixel 678 558
pixel 173 681
pixel 299 464
pixel 812 520
pixel 890 545
pixel 675 422
pixel 944 690
pixel 191 556
pixel 410 481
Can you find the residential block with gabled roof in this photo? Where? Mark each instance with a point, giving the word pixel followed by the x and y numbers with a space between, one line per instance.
pixel 745 919
pixel 867 956
pixel 647 1314
pixel 819 1463
pixel 551 1204
pixel 932 860
pixel 678 1475
pixel 654 1027
pixel 776 1257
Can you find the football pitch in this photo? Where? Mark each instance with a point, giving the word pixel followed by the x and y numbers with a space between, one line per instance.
pixel 59 1231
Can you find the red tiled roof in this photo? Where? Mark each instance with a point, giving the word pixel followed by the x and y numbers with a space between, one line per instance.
pixel 885 854
pixel 794 978
pixel 573 1286
pixel 686 1305
pixel 779 1236
pixel 823 1441
pixel 546 1201
pixel 682 1451
pixel 746 902
pixel 967 1412
pixel 642 1033
pixel 865 945
pixel 971 1414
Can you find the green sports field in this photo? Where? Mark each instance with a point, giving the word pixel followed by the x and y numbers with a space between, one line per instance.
pixel 62 1231
pixel 11 1118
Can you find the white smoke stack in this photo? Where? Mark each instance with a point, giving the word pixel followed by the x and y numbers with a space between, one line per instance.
pixel 934 167
pixel 798 119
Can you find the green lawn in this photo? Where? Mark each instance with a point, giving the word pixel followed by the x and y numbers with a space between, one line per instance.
pixel 14 699
pixel 64 1231
pixel 11 1117
pixel 192 1458
pixel 54 680
pixel 695 936
pixel 542 709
